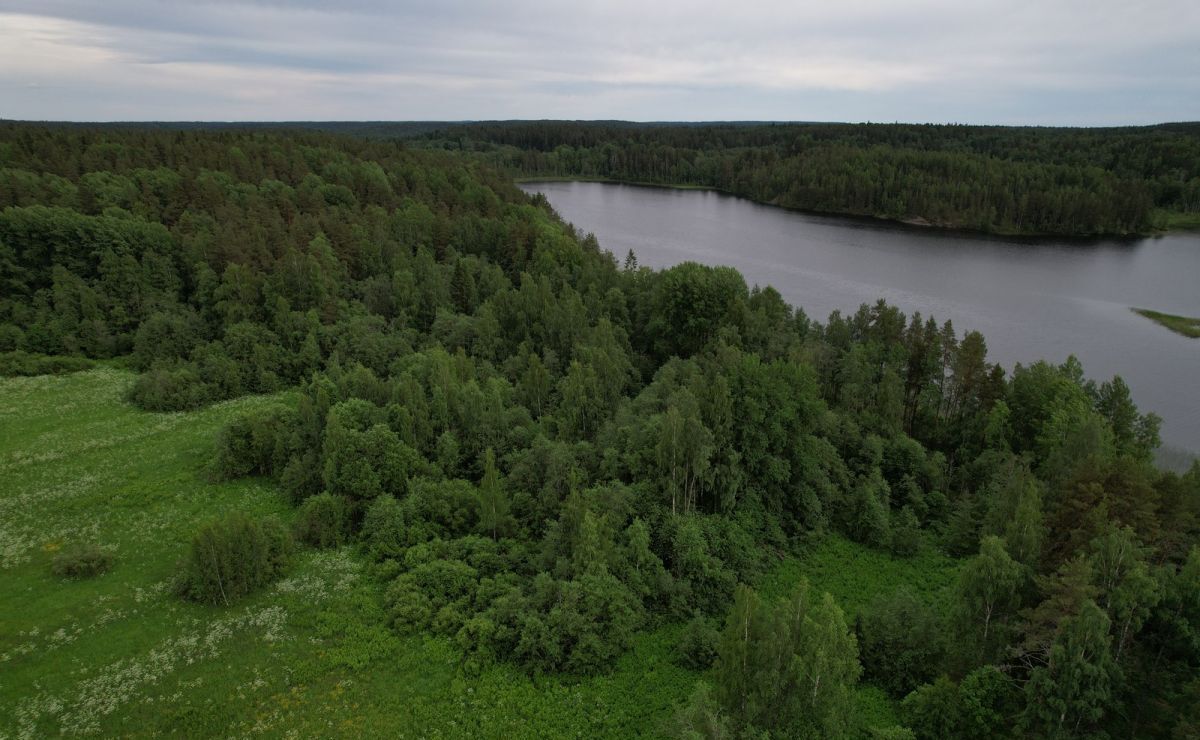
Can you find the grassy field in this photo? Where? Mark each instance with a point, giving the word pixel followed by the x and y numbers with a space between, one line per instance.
pixel 1176 221
pixel 855 575
pixel 1184 325
pixel 311 656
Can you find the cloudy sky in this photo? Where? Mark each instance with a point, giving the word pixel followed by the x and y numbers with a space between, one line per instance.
pixel 1096 62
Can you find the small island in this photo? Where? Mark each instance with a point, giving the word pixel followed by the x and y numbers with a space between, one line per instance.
pixel 1184 325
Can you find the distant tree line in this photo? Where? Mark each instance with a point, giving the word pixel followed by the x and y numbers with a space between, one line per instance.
pixel 543 451
pixel 985 178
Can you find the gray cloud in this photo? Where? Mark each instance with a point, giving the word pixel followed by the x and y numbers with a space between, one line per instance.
pixel 993 61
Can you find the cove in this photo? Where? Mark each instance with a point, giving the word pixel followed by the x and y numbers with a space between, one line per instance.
pixel 1031 299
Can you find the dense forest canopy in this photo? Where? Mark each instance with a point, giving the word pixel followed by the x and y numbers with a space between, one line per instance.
pixel 364 129
pixel 544 452
pixel 1019 180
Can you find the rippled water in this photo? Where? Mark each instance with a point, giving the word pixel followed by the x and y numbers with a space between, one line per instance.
pixel 1031 299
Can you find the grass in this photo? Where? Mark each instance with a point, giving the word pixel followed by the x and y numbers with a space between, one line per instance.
pixel 1177 220
pixel 1184 325
pixel 855 575
pixel 117 654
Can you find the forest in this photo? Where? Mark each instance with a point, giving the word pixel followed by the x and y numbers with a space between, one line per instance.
pixel 540 453
pixel 1008 180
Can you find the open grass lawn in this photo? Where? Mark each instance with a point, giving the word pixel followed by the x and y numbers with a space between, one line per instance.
pixel 310 656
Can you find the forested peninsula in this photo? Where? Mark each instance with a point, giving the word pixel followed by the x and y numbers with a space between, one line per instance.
pixel 1003 180
pixel 422 459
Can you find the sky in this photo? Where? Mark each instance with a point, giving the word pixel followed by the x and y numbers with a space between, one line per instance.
pixel 1049 62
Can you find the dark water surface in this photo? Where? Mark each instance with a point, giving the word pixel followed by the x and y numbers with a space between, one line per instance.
pixel 1030 300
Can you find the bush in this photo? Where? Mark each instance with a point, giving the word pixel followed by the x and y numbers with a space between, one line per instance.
pixel 980 706
pixel 441 509
pixel 301 475
pixel 700 717
pixel 23 363
pixel 231 557
pixel 174 389
pixel 906 536
pixel 253 443
pixel 704 580
pixel 592 620
pixel 220 371
pixel 165 337
pixel 900 642
pixel 445 581
pixel 384 529
pixel 11 338
pixel 409 609
pixel 323 521
pixel 476 639
pixel 364 458
pixel 868 513
pixel 81 560
pixel 697 648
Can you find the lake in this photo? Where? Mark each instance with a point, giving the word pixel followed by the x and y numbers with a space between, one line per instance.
pixel 1031 299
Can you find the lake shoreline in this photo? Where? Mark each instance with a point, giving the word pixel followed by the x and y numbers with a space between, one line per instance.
pixel 1030 298
pixel 907 222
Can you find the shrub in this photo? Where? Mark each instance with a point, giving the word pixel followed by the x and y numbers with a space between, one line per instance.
pixel 364 458
pixel 409 609
pixel 323 521
pixel 81 560
pixel 233 556
pixel 384 530
pixel 175 389
pixel 706 583
pixel 700 717
pixel 592 618
pixel 252 444
pixel 867 512
pixel 697 648
pixel 11 338
pixel 23 363
pixel 900 642
pixel 220 371
pixel 906 534
pixel 441 509
pixel 980 706
pixel 446 581
pixel 164 337
pixel 476 639
pixel 301 476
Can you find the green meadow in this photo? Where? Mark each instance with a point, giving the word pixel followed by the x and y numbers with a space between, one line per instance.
pixel 312 655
